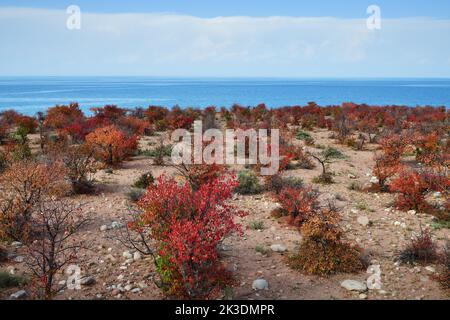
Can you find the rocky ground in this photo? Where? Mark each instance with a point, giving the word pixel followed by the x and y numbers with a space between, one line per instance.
pixel 112 271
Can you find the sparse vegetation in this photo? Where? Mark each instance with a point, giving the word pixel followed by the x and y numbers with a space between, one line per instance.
pixel 248 183
pixel 421 249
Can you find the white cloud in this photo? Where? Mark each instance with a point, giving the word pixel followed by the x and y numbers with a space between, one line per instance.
pixel 36 41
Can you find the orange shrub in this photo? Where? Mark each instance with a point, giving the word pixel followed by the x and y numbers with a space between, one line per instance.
pixel 323 250
pixel 111 145
pixel 23 186
pixel 60 117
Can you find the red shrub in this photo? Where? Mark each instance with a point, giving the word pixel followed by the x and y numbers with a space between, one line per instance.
pixel 109 114
pixel 60 117
pixel 421 249
pixel 200 174
pixel 188 227
pixel 411 188
pixel 299 203
pixel 27 123
pixel 155 114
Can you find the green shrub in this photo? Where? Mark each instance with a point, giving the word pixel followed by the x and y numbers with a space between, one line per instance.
pixel 263 250
pixel 276 183
pixel 163 150
pixel 354 186
pixel 135 194
pixel 10 281
pixel 256 225
pixel 248 182
pixel 306 137
pixel 332 153
pixel 144 181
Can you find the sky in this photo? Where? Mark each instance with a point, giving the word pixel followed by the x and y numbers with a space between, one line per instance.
pixel 199 38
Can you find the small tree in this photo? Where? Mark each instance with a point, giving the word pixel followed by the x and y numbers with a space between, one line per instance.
pixel 80 163
pixel 325 158
pixel 56 223
pixel 22 186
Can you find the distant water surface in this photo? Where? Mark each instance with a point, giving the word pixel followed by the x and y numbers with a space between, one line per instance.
pixel 31 94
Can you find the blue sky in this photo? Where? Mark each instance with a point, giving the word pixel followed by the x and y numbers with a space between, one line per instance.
pixel 218 38
pixel 213 8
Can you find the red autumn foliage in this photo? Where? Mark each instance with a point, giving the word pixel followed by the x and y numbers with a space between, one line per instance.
pixel 411 187
pixel 299 203
pixel 29 124
pixel 188 226
pixel 109 114
pixel 60 117
pixel 111 145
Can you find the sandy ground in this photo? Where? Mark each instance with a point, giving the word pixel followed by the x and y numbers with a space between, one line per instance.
pixel 382 239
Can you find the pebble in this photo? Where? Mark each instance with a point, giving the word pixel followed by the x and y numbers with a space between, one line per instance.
pixel 18 259
pixel 104 228
pixel 16 244
pixel 137 256
pixel 430 269
pixel 260 284
pixel 127 255
pixel 278 248
pixel 128 287
pixel 22 294
pixel 437 194
pixel 87 281
pixel 353 285
pixel 363 220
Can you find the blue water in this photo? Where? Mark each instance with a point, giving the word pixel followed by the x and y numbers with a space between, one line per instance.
pixel 31 94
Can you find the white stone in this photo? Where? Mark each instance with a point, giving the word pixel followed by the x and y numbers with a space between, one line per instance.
pixel 18 259
pixel 260 284
pixel 430 269
pixel 353 285
pixel 104 228
pixel 16 244
pixel 278 248
pixel 22 294
pixel 363 220
pixel 127 255
pixel 412 212
pixel 137 256
pixel 374 180
pixel 128 287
